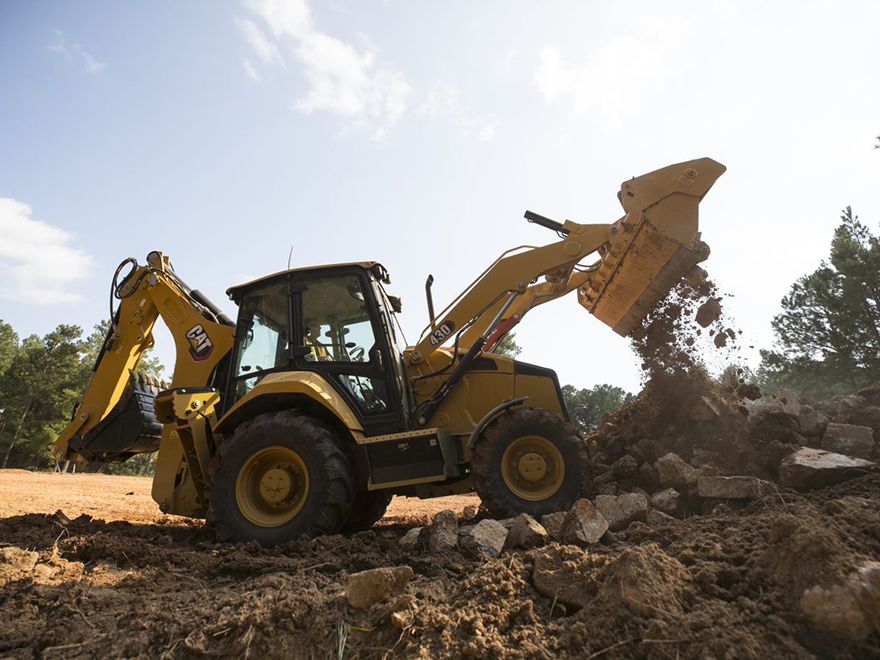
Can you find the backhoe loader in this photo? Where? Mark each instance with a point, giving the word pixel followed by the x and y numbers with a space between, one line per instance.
pixel 305 416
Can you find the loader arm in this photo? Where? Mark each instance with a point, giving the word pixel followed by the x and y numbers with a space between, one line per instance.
pixel 641 257
pixel 202 336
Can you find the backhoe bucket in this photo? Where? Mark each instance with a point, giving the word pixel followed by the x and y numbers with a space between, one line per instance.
pixel 653 246
pixel 129 428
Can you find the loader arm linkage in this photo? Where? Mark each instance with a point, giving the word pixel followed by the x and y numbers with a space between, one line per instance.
pixel 641 258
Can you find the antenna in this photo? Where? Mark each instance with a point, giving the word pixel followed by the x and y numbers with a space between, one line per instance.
pixel 289 257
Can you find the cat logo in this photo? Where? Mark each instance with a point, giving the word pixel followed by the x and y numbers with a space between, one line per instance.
pixel 200 345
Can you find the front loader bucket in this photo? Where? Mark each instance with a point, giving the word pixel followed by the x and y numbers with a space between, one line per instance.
pixel 653 246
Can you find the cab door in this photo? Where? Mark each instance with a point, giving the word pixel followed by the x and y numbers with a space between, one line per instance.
pixel 339 335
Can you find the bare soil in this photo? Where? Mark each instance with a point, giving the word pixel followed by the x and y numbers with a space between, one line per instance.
pixel 122 580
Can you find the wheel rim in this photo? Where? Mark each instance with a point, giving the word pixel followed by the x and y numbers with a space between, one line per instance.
pixel 272 486
pixel 532 468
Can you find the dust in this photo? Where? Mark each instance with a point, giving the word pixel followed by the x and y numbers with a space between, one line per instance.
pixel 682 408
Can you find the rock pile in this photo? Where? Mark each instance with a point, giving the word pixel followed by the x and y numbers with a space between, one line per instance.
pixel 688 442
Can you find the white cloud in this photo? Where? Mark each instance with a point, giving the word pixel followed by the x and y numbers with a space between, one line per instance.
pixel 250 71
pixel 290 18
pixel 266 50
pixel 342 79
pixel 617 76
pixel 37 262
pixel 444 101
pixel 75 52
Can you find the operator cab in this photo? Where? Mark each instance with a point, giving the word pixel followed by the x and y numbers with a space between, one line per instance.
pixel 336 321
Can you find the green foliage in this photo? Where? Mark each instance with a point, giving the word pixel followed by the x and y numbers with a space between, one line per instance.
pixel 828 333
pixel 148 366
pixel 8 346
pixel 508 346
pixel 587 406
pixel 41 381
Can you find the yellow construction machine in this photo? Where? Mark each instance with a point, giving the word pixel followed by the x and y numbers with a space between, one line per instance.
pixel 305 416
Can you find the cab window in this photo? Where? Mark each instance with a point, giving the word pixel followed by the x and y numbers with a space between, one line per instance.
pixel 336 320
pixel 338 332
pixel 262 336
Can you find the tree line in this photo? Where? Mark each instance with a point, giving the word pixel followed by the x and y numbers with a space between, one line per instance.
pixel 41 381
pixel 827 342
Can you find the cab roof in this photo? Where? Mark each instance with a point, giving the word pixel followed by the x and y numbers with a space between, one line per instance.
pixel 378 270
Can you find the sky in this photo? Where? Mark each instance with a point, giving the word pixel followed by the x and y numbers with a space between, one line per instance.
pixel 416 133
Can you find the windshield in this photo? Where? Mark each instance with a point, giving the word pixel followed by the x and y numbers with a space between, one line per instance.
pixel 262 335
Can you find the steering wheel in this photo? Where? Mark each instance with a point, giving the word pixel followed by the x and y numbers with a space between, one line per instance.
pixel 357 354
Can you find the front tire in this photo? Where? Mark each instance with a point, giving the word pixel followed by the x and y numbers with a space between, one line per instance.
pixel 280 476
pixel 368 508
pixel 530 461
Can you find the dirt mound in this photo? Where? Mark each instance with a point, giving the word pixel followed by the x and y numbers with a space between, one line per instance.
pixel 698 587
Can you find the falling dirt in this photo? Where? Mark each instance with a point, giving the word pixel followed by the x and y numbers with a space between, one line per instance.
pixel 675 336
pixel 700 587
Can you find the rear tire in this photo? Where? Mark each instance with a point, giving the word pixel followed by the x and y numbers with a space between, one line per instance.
pixel 368 508
pixel 530 461
pixel 280 476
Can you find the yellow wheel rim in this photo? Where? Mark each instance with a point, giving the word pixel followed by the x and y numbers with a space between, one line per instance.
pixel 272 486
pixel 532 468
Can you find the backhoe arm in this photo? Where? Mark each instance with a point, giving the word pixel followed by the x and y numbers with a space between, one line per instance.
pixel 115 418
pixel 641 257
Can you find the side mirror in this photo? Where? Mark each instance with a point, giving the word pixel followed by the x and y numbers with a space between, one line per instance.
pixel 396 303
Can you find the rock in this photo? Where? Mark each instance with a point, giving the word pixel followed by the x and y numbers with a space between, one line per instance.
pixel 413 538
pixel 849 439
pixel 469 512
pixel 563 573
pixel 704 410
pixel 733 488
pixel 371 586
pixel 789 402
pixel 625 467
pixel 673 471
pixel 768 421
pixel 553 522
pixel 807 469
pixel 812 423
pixel 749 391
pixel 526 532
pixel 851 609
pixel 656 517
pixel 16 564
pixel 583 524
pixel 444 532
pixel 871 394
pixel 485 539
pixel 704 470
pixel 847 404
pixel 646 477
pixel 621 510
pixel 666 500
pixel 709 312
pixel 868 416
pixel 507 522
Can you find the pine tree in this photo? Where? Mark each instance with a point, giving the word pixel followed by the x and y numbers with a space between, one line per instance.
pixel 828 333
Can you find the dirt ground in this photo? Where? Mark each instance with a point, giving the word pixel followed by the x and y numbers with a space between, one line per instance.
pixel 122 580
pixel 112 498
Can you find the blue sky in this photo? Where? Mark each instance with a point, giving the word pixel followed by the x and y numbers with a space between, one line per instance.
pixel 416 133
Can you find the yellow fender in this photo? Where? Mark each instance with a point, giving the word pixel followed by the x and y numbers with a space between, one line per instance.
pixel 276 389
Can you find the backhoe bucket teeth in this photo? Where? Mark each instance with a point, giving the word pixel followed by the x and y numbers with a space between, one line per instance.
pixel 653 246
